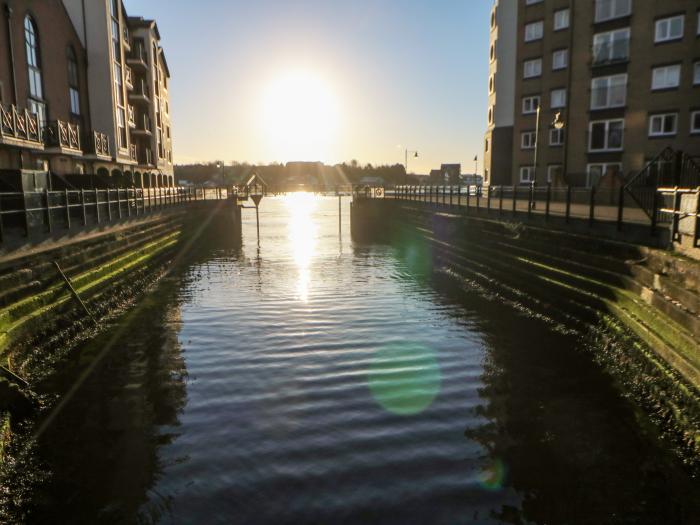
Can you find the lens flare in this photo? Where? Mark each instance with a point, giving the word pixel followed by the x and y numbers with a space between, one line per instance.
pixel 493 476
pixel 405 378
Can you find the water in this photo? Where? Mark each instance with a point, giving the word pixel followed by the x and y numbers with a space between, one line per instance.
pixel 310 380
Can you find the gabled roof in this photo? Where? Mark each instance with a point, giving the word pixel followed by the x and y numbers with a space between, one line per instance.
pixel 255 179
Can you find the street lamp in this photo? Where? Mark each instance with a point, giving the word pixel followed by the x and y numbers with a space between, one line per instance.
pixel 558 124
pixel 415 156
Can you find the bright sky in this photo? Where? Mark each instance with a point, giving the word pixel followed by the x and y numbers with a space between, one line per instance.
pixel 330 80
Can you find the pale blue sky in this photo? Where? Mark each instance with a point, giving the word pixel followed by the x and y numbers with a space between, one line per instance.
pixel 402 72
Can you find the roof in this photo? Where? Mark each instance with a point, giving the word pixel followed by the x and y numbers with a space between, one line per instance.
pixel 255 179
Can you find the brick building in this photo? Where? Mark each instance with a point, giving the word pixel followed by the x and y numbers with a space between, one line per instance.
pixel 71 102
pixel 599 88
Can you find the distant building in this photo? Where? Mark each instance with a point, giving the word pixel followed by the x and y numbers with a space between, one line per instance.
pixel 621 78
pixel 472 179
pixel 372 181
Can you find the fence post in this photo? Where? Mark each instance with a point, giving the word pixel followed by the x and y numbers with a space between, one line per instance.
pixel 530 199
pixel 67 209
pixel 478 197
pixel 47 197
pixel 97 205
pixel 119 203
pixel 82 203
pixel 549 200
pixel 500 201
pixel 515 199
pixel 128 202
pixel 676 215
pixel 469 196
pixel 26 214
pixel 459 196
pixel 568 203
pixel 109 206
pixel 591 213
pixel 2 231
pixel 451 192
pixel 620 207
pixel 488 200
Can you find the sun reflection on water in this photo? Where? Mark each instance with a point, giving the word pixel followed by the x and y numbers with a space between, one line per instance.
pixel 302 236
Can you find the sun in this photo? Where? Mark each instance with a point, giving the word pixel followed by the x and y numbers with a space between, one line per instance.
pixel 300 117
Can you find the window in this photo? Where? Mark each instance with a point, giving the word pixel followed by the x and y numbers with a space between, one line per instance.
pixel 121 125
pixel 606 135
pixel 611 46
pixel 73 82
pixel 560 59
pixel 492 52
pixel 609 92
pixel 696 73
pixel 36 90
pixel 530 2
pixel 534 31
pixel 561 19
pixel 557 98
pixel 598 171
pixel 556 137
pixel 491 115
pixel 527 174
pixel 530 104
pixel 669 29
pixel 527 140
pixel 486 143
pixel 663 125
pixel 695 122
pixel 493 19
pixel 609 9
pixel 555 172
pixel 532 68
pixel 666 77
pixel 491 86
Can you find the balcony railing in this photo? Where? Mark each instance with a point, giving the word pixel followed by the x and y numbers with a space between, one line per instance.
pixel 63 135
pixel 132 152
pixel 146 123
pixel 146 157
pixel 129 77
pixel 131 117
pixel 141 89
pixel 20 125
pixel 138 54
pixel 101 144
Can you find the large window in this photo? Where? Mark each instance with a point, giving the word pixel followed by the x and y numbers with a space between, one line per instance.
pixel 530 104
pixel 534 31
pixel 36 91
pixel 606 135
pixel 696 73
pixel 663 125
pixel 609 9
pixel 555 172
pixel 611 46
pixel 556 137
pixel 669 29
pixel 527 174
pixel 609 92
pixel 666 77
pixel 598 171
pixel 532 68
pixel 560 59
pixel 73 82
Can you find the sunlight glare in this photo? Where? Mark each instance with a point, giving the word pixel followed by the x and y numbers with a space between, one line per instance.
pixel 300 117
pixel 302 236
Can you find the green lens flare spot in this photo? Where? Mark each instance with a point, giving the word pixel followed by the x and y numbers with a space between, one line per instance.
pixel 405 378
pixel 493 476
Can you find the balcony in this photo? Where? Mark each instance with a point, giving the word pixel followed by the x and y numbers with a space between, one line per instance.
pixel 100 144
pixel 146 157
pixel 129 78
pixel 132 152
pixel 144 127
pixel 141 93
pixel 20 128
pixel 138 57
pixel 62 137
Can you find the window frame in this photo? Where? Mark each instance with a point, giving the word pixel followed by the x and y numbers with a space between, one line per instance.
pixel 530 177
pixel 609 86
pixel 654 69
pixel 693 115
pixel 568 19
pixel 532 61
pixel 662 133
pixel 73 81
pixel 532 139
pixel 611 45
pixel 530 98
pixel 562 52
pixel 560 135
pixel 549 171
pixel 603 171
pixel 607 147
pixel 669 37
pixel 35 76
pixel 597 19
pixel 539 34
pixel 551 98
pixel 696 73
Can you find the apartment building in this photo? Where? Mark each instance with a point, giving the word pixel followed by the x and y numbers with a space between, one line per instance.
pixel 600 88
pixel 85 91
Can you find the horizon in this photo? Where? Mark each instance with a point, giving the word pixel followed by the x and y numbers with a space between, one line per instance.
pixel 297 96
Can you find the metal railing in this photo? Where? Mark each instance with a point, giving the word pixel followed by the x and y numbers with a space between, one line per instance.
pixel 100 142
pixel 568 203
pixel 63 135
pixel 20 125
pixel 26 213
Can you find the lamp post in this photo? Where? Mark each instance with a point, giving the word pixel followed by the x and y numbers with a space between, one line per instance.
pixel 558 124
pixel 537 144
pixel 415 156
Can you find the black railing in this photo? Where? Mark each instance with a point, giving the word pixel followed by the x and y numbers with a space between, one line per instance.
pixel 39 212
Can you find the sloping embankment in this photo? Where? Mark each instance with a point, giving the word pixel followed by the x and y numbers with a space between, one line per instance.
pixel 637 309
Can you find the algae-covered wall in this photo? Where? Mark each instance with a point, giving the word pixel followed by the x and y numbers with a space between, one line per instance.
pixel 638 307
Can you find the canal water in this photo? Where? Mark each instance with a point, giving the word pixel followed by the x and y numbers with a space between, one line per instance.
pixel 307 379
